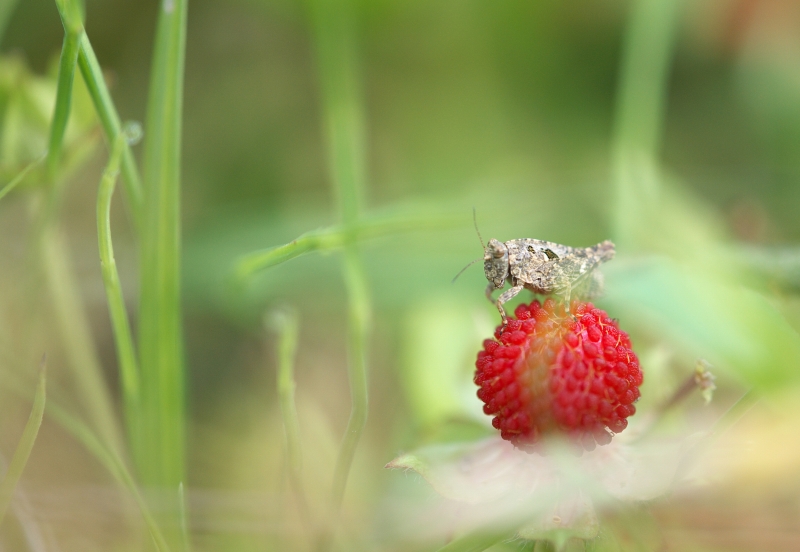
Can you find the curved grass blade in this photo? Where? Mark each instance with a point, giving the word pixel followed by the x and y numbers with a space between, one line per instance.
pixel 115 466
pixel 126 351
pixel 23 451
pixel 77 338
pixel 109 459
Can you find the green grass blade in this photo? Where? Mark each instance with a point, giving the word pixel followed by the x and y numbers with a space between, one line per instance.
pixel 24 447
pixel 161 461
pixel 646 60
pixel 358 335
pixel 476 541
pixel 20 177
pixel 115 466
pixel 72 12
pixel 93 77
pixel 6 10
pixel 76 336
pixel 66 75
pixel 107 457
pixel 126 352
pixel 71 18
pixel 641 104
pixel 286 325
pixel 337 64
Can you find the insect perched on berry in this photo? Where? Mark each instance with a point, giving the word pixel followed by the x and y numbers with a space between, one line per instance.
pixel 552 373
pixel 544 268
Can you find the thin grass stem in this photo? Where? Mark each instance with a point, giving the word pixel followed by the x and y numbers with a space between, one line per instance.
pixel 286 325
pixel 335 237
pixel 95 83
pixel 723 424
pixel 648 50
pixel 184 519
pixel 76 336
pixel 21 176
pixel 23 450
pixel 114 465
pixel 123 338
pixel 358 335
pixel 108 457
pixel 334 37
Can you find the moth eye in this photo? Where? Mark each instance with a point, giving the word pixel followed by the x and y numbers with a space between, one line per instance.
pixel 530 248
pixel 550 254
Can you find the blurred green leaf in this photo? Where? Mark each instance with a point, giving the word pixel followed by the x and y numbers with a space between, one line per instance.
pixel 476 541
pixel 732 326
pixel 441 336
pixel 6 10
pixel 160 448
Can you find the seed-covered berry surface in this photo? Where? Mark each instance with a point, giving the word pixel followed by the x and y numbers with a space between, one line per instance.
pixel 548 372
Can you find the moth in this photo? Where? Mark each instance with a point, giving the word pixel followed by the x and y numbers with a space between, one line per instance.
pixel 545 268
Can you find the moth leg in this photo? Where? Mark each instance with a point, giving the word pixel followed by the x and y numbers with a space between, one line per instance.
pixel 507 296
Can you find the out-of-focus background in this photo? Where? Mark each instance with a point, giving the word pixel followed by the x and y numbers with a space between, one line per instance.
pixel 671 128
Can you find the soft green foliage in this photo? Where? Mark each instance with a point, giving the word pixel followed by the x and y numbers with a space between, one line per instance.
pixel 475 542
pixel 332 155
pixel 344 129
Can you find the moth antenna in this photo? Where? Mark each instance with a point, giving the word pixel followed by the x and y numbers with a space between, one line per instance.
pixel 475 221
pixel 460 272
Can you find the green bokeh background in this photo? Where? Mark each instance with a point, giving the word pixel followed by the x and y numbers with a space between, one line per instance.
pixel 511 107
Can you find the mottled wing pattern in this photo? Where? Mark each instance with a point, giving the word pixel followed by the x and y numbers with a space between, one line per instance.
pixel 547 267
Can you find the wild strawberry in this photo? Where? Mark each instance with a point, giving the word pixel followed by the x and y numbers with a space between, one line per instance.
pixel 548 372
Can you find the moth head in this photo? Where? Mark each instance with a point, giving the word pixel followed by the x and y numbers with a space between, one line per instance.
pixel 495 262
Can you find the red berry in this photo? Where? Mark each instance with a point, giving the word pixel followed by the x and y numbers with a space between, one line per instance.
pixel 551 373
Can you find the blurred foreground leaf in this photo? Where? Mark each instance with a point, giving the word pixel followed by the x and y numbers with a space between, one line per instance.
pixel 440 338
pixel 731 325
